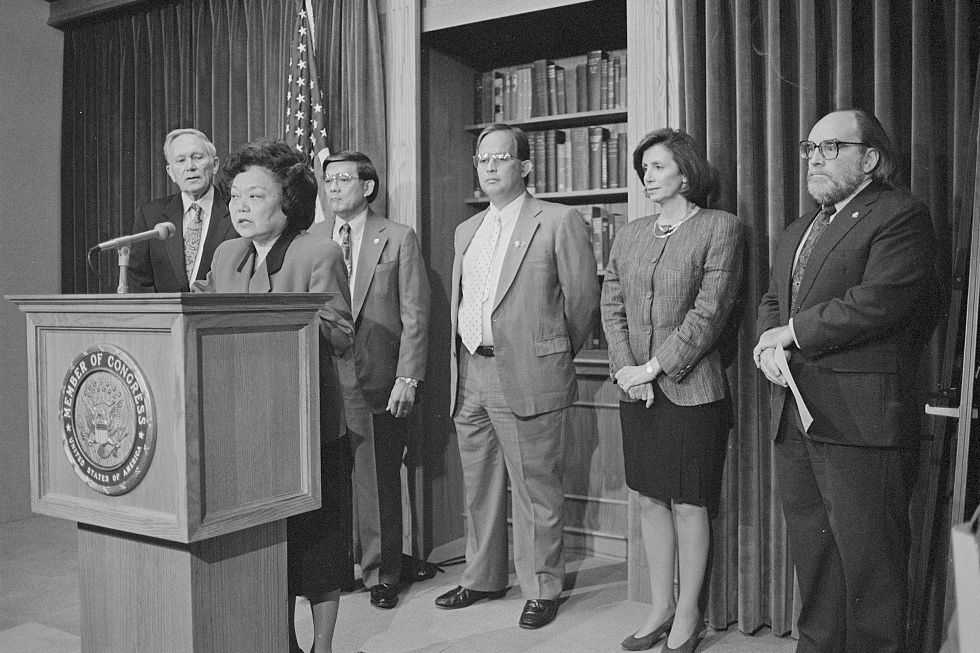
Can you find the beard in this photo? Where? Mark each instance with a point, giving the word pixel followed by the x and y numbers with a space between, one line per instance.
pixel 828 189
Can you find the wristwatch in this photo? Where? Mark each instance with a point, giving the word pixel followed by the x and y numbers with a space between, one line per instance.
pixel 409 381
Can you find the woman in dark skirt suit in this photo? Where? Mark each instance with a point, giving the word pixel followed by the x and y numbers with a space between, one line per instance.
pixel 273 199
pixel 669 289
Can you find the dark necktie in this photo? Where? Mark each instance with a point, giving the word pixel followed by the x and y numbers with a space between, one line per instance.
pixel 345 246
pixel 192 238
pixel 820 225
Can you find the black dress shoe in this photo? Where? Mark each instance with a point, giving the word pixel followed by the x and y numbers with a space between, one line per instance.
pixel 538 612
pixel 634 643
pixel 463 597
pixel 384 595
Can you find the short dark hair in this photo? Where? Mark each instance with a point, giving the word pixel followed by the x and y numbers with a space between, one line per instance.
pixel 365 168
pixel 520 138
pixel 290 168
pixel 873 133
pixel 702 180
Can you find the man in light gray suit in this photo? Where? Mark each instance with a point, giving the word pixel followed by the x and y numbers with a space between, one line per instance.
pixel 390 303
pixel 524 301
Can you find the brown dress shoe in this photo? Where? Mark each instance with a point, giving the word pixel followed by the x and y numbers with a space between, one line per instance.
pixel 463 597
pixel 538 612
pixel 384 595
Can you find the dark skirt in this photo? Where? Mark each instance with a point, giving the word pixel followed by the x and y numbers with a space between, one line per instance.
pixel 318 543
pixel 676 453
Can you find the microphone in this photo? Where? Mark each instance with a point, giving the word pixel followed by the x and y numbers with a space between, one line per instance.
pixel 162 231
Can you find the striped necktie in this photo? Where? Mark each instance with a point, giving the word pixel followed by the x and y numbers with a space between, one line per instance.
pixel 346 247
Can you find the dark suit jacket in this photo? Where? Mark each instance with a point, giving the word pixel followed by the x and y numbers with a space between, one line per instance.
pixel 867 305
pixel 158 265
pixel 671 297
pixel 298 263
pixel 390 306
pixel 545 307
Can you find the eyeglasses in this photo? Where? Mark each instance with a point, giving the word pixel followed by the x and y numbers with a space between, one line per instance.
pixel 340 177
pixel 484 158
pixel 828 149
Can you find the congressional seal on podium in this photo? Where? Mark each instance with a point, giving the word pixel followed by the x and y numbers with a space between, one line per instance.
pixel 108 418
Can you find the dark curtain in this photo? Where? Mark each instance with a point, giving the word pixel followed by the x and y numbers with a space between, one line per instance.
pixel 352 59
pixel 217 65
pixel 755 77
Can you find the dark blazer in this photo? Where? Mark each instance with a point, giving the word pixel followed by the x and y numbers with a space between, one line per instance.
pixel 545 307
pixel 390 307
pixel 671 297
pixel 158 265
pixel 298 263
pixel 867 306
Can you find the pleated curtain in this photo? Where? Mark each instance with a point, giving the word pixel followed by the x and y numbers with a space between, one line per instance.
pixel 753 78
pixel 131 76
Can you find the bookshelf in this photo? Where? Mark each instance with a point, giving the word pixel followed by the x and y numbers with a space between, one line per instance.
pixel 498 36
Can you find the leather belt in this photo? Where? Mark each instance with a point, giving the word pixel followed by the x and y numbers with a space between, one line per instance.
pixel 484 350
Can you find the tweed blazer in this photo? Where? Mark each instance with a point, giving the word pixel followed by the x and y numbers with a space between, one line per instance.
pixel 298 263
pixel 544 309
pixel 391 301
pixel 671 298
pixel 868 302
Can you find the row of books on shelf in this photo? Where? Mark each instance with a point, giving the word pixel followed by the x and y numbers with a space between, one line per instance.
pixel 604 220
pixel 590 82
pixel 576 159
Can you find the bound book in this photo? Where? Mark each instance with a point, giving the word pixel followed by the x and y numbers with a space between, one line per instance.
pixel 539 104
pixel 597 136
pixel 579 137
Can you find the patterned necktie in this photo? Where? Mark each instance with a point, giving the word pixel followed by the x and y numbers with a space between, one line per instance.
pixel 345 246
pixel 819 227
pixel 192 238
pixel 471 313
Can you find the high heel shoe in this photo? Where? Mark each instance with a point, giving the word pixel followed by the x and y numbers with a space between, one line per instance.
pixel 690 646
pixel 634 643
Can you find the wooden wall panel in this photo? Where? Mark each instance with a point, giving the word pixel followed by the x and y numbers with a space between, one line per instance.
pixel 400 21
pixel 447 173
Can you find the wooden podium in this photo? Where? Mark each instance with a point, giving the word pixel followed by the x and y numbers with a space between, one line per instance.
pixel 179 431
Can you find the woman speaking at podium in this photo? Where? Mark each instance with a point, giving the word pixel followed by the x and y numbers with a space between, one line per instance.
pixel 272 202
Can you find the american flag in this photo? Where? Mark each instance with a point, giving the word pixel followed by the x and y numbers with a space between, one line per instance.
pixel 306 127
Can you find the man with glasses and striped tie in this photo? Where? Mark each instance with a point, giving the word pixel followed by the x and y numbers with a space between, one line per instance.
pixel 851 302
pixel 390 303
pixel 198 211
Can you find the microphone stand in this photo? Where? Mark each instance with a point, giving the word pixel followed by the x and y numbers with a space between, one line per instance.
pixel 123 287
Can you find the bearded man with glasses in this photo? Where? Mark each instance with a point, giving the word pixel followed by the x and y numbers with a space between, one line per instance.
pixel 525 298
pixel 852 301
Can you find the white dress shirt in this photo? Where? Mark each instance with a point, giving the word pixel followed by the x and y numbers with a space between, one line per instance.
pixel 508 220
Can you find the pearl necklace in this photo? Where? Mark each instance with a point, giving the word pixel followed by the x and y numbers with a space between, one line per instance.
pixel 663 231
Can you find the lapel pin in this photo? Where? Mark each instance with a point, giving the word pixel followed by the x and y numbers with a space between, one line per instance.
pixel 518 244
pixel 378 240
pixel 856 214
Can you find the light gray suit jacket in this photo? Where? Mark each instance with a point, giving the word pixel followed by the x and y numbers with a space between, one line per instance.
pixel 545 307
pixel 671 298
pixel 390 305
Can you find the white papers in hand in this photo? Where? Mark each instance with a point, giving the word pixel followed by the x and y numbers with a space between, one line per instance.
pixel 783 366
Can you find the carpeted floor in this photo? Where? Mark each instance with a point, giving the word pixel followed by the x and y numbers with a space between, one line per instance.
pixel 39 608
